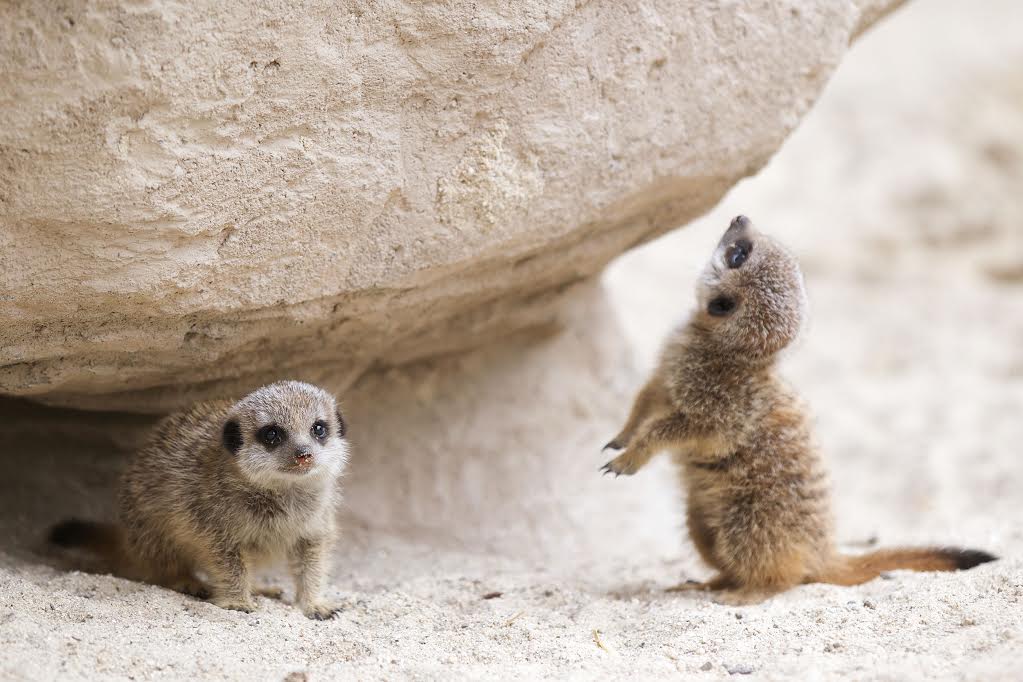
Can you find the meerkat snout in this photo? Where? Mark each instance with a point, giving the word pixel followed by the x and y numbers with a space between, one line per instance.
pixel 741 221
pixel 738 225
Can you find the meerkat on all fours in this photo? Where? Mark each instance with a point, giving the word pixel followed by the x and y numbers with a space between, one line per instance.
pixel 224 486
pixel 758 502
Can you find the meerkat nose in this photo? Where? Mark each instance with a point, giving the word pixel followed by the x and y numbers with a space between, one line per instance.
pixel 740 222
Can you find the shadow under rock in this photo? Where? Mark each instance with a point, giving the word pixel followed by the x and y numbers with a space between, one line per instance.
pixel 58 463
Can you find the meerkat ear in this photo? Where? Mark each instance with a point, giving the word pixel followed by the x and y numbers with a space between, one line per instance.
pixel 232 436
pixel 342 428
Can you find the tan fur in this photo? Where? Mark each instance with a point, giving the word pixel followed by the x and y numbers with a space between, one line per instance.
pixel 758 500
pixel 207 495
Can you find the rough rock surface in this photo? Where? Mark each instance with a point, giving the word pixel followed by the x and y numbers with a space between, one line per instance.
pixel 198 197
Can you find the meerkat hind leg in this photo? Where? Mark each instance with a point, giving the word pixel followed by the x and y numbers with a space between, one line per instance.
pixel 268 591
pixel 174 575
pixel 785 574
pixel 190 585
pixel 746 596
pixel 718 582
pixel 229 580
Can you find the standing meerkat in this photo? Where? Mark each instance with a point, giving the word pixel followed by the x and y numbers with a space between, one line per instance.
pixel 224 486
pixel 758 502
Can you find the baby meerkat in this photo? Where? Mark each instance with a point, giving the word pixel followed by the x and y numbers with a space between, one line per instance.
pixel 224 486
pixel 758 502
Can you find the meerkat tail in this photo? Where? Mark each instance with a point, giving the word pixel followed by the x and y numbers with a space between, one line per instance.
pixel 105 540
pixel 856 569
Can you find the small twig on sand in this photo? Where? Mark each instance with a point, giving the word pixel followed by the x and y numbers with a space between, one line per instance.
pixel 596 639
pixel 513 618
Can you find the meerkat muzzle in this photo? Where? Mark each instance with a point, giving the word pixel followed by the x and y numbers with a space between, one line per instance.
pixel 740 225
pixel 303 460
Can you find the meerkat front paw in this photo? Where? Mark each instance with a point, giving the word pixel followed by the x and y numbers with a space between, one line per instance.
pixel 192 587
pixel 742 597
pixel 321 611
pixel 623 464
pixel 616 443
pixel 689 586
pixel 235 604
pixel 719 582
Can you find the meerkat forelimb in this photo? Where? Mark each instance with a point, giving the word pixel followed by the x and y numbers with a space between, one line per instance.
pixel 657 434
pixel 651 401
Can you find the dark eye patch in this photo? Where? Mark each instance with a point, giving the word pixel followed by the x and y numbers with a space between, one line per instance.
pixel 737 253
pixel 271 435
pixel 721 306
pixel 232 437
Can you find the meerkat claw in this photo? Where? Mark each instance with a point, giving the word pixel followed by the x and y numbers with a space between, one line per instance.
pixel 235 604
pixel 612 444
pixel 609 469
pixel 323 612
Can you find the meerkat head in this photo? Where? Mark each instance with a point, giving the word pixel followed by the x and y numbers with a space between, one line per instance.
pixel 286 432
pixel 751 297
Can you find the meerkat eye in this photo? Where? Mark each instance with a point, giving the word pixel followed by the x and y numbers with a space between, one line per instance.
pixel 721 306
pixel 319 430
pixel 271 436
pixel 737 253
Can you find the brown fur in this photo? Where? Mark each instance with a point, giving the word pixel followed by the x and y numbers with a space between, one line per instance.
pixel 207 495
pixel 758 500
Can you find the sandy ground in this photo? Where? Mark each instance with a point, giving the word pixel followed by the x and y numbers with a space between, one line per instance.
pixel 901 195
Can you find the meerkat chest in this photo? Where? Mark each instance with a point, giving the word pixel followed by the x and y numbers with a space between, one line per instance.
pixel 279 520
pixel 711 447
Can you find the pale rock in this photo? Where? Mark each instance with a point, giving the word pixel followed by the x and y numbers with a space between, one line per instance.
pixel 196 199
